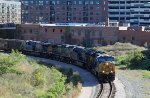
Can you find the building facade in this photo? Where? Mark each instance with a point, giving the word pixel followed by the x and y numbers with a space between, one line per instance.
pixel 86 34
pixel 63 11
pixel 135 12
pixel 10 11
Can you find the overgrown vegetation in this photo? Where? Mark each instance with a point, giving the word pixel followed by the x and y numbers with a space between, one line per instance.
pixel 120 49
pixel 134 60
pixel 131 56
pixel 21 77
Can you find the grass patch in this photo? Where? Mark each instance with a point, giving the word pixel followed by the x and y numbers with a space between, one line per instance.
pixel 146 74
pixel 120 49
pixel 21 77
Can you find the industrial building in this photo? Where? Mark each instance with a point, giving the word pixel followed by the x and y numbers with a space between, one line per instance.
pixel 81 34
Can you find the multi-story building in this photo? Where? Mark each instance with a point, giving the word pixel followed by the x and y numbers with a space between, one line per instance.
pixel 62 11
pixel 135 12
pixel 10 11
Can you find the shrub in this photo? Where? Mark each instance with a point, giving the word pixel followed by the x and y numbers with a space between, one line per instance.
pixel 37 78
pixel 134 60
pixel 75 79
pixel 23 78
pixel 8 62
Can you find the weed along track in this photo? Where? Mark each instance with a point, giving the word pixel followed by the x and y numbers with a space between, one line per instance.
pixel 107 90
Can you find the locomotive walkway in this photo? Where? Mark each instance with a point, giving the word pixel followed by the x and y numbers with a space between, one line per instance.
pixel 90 86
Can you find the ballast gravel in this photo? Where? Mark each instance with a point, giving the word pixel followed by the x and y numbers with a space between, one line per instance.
pixel 136 86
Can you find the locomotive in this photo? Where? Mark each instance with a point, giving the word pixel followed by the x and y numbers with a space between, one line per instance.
pixel 99 63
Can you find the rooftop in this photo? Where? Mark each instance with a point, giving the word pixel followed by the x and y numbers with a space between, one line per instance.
pixel 75 24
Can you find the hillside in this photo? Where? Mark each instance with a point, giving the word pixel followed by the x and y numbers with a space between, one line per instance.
pixel 21 77
pixel 120 48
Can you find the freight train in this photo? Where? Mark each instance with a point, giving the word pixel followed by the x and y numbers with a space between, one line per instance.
pixel 99 63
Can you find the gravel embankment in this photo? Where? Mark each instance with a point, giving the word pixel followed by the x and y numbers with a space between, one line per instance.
pixel 120 91
pixel 90 84
pixel 135 85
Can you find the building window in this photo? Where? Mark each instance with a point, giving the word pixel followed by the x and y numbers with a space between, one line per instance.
pixel 80 2
pixel 69 2
pixel 79 33
pixel 74 2
pixel 24 31
pixel 47 2
pixel 91 13
pixel 91 2
pixel 58 2
pixel 100 33
pixel 45 30
pixel 91 7
pixel 60 30
pixel 133 38
pixel 30 30
pixel 40 2
pixel 124 38
pixel 91 18
pixel 52 2
pixel 97 2
pixel 86 2
pixel 32 2
pixel 74 18
pixel 53 30
pixel 72 32
pixel 93 33
pixel 63 7
pixel 97 13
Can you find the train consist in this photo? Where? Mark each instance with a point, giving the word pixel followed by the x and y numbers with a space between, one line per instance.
pixel 99 63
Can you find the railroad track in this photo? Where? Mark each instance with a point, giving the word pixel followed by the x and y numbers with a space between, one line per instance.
pixel 107 90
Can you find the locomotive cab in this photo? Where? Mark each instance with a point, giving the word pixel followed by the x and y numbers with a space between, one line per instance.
pixel 106 68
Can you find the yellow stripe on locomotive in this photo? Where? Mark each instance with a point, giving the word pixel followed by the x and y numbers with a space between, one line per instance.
pixel 106 68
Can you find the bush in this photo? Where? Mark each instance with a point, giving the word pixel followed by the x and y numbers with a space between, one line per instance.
pixel 58 85
pixel 37 78
pixel 21 77
pixel 75 79
pixel 8 62
pixel 134 60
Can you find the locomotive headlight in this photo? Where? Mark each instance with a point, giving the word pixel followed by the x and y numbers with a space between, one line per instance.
pixel 107 63
pixel 103 71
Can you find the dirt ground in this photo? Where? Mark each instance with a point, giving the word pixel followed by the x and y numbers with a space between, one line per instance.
pixel 135 83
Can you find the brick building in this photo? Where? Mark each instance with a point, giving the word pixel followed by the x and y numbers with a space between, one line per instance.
pixel 135 12
pixel 63 11
pixel 85 34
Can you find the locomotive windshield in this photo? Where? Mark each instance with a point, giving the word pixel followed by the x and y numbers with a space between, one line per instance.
pixel 105 58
